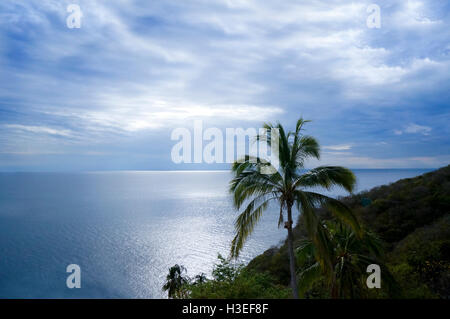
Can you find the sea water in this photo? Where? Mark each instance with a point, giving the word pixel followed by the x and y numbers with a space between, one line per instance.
pixel 124 229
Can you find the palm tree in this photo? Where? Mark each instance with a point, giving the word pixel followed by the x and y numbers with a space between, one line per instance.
pixel 350 257
pixel 288 186
pixel 175 281
pixel 200 279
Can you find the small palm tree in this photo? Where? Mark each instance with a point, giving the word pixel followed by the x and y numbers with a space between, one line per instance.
pixel 350 257
pixel 290 187
pixel 175 281
pixel 200 279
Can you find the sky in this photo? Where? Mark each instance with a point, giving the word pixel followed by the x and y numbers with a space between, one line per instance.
pixel 108 95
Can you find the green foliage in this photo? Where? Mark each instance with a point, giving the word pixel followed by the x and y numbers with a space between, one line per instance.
pixel 411 284
pixel 426 252
pixel 233 281
pixel 248 285
pixel 350 257
pixel 401 207
pixel 176 282
pixel 225 271
pixel 412 219
pixel 275 261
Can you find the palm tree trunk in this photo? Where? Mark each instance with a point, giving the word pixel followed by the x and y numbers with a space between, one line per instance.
pixel 291 253
pixel 334 288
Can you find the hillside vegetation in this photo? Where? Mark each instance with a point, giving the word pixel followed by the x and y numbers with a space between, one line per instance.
pixel 409 223
pixel 412 219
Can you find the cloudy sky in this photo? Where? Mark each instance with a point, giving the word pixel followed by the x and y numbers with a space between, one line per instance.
pixel 108 95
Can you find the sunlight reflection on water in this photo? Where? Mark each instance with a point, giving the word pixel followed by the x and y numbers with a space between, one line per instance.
pixel 124 229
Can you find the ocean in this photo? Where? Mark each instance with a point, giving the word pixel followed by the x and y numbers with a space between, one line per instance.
pixel 125 229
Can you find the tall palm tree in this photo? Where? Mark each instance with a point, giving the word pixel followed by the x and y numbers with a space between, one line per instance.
pixel 289 186
pixel 175 281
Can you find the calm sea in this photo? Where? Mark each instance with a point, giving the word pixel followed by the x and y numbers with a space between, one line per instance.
pixel 124 229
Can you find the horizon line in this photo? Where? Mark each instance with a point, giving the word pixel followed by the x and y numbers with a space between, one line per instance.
pixel 194 170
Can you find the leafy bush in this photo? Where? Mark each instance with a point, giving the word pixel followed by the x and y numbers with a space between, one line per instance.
pixel 234 282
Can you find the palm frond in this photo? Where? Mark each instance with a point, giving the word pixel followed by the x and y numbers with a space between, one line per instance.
pixel 304 147
pixel 339 209
pixel 299 125
pixel 307 277
pixel 249 182
pixel 315 230
pixel 305 251
pixel 328 176
pixel 246 222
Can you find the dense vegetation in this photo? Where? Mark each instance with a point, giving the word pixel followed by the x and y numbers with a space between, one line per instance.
pixel 409 220
pixel 411 217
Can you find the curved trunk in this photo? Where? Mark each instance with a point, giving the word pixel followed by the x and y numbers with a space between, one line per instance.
pixel 290 240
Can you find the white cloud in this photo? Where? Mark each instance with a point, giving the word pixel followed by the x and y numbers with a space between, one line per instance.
pixel 39 129
pixel 340 147
pixel 354 161
pixel 128 115
pixel 413 128
pixel 414 14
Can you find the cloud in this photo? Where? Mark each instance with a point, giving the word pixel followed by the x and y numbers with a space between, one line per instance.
pixel 340 147
pixel 414 129
pixel 141 114
pixel 353 161
pixel 137 69
pixel 39 129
